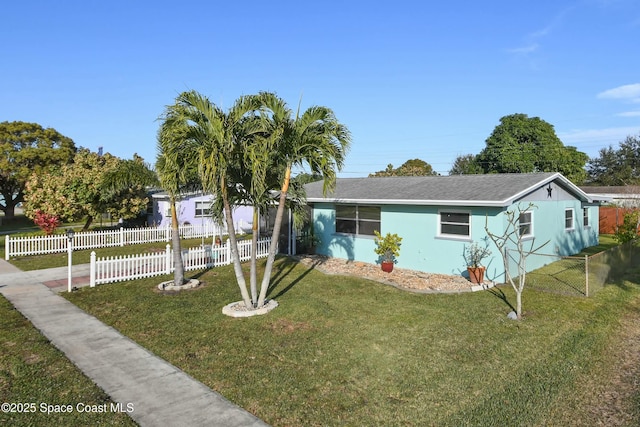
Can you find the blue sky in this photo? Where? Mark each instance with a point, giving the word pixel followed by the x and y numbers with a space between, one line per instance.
pixel 410 79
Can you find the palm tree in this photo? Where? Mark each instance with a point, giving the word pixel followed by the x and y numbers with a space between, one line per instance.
pixel 315 139
pixel 247 152
pixel 177 171
pixel 218 138
pixel 129 177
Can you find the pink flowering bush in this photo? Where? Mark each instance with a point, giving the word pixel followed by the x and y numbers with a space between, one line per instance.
pixel 47 222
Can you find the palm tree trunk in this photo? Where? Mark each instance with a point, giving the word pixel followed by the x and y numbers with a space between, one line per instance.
pixel 235 256
pixel 266 279
pixel 254 253
pixel 178 264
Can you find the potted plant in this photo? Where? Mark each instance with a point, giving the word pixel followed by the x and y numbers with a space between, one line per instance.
pixel 474 254
pixel 388 247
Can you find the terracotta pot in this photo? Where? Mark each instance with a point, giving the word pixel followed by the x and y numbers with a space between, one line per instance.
pixel 476 274
pixel 387 266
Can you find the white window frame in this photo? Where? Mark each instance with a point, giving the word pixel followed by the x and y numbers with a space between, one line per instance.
pixel 358 220
pixel 440 234
pixel 586 217
pixel 531 230
pixel 573 219
pixel 205 209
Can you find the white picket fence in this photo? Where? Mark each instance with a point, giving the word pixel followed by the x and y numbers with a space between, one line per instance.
pixel 38 245
pixel 129 267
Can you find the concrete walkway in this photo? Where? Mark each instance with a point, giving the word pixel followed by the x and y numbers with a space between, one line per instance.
pixel 160 393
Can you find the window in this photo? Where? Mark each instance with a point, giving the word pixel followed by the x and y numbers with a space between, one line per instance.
pixel 568 219
pixel 585 217
pixel 353 219
pixel 203 209
pixel 455 224
pixel 525 223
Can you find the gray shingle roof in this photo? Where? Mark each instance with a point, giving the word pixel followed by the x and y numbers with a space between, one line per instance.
pixel 473 190
pixel 613 189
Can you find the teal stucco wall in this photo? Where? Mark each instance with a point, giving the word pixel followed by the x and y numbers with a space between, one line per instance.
pixel 423 249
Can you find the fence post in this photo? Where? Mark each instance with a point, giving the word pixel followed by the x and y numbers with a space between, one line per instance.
pixel 92 270
pixel 121 236
pixel 586 274
pixel 168 259
pixel 168 232
pixel 6 247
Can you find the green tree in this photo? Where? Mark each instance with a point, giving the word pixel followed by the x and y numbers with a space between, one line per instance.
pixel 78 190
pixel 125 186
pixel 306 178
pixel 628 230
pixel 413 167
pixel 25 149
pixel 176 166
pixel 619 166
pixel 249 151
pixel 315 139
pixel 217 139
pixel 466 164
pixel 522 144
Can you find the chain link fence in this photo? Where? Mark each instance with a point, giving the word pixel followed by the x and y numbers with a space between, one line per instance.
pixel 580 275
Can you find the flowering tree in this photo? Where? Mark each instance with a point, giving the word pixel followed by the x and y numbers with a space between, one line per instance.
pixel 76 191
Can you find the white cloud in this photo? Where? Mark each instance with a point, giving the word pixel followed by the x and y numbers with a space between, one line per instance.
pixel 629 114
pixel 532 41
pixel 525 49
pixel 542 32
pixel 628 92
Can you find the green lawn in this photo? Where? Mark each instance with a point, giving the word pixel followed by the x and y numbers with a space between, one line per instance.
pixel 346 351
pixel 567 276
pixel 32 371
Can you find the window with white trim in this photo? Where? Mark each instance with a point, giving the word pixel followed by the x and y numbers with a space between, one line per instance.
pixel 585 218
pixel 203 209
pixel 525 224
pixel 568 219
pixel 358 220
pixel 454 224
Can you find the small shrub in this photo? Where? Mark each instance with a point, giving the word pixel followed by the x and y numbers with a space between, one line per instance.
pixel 47 222
pixel 628 231
pixel 388 247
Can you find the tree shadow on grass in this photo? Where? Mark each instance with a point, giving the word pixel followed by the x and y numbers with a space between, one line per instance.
pixel 283 269
pixel 499 293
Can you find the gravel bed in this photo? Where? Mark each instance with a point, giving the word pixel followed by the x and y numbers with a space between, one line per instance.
pixel 401 278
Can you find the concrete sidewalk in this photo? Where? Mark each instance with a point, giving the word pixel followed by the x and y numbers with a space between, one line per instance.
pixel 160 393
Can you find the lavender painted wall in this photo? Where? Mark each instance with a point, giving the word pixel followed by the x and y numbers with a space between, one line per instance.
pixel 186 209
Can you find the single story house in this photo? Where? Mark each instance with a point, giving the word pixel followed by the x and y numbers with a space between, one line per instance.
pixel 438 217
pixel 616 201
pixel 627 196
pixel 194 209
